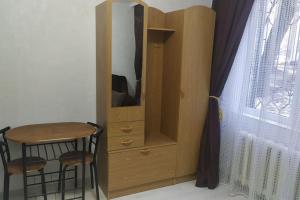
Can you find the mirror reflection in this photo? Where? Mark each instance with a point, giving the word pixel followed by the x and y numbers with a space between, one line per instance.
pixel 127 52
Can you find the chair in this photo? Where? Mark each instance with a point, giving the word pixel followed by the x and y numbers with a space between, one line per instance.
pixel 15 167
pixel 74 158
pixel 120 85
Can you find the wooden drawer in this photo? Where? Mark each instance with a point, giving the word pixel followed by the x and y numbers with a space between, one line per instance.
pixel 126 114
pixel 140 166
pixel 125 142
pixel 126 128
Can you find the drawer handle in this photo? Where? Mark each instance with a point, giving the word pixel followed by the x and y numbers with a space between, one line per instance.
pixel 126 129
pixel 145 151
pixel 127 142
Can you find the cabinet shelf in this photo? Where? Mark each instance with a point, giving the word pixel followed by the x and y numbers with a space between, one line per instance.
pixel 161 29
pixel 158 139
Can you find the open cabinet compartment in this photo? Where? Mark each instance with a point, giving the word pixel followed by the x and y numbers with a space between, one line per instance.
pixel 163 77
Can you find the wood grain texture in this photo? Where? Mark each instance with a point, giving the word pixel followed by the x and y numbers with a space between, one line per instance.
pixel 154 82
pixel 156 67
pixel 74 158
pixel 172 74
pixel 141 166
pixel 33 164
pixel 157 139
pixel 195 84
pixel 43 133
pixel 126 128
pixel 126 114
pixel 103 54
pixel 103 59
pixel 175 85
pixel 156 18
pixel 125 142
pixel 105 113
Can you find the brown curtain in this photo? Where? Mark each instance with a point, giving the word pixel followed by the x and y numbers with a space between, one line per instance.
pixel 231 19
pixel 139 33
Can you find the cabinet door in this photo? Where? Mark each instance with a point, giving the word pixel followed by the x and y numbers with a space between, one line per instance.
pixel 140 166
pixel 195 85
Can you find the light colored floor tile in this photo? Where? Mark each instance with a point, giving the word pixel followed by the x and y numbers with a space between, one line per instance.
pixel 183 191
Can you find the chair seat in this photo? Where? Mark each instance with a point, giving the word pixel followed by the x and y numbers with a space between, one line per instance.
pixel 15 167
pixel 74 158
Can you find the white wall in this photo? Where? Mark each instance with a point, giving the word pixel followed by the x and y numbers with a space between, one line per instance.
pixel 123 43
pixel 47 61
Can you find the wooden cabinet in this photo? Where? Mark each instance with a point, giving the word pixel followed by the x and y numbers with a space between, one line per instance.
pixel 125 142
pixel 156 143
pixel 137 166
pixel 126 128
pixel 126 114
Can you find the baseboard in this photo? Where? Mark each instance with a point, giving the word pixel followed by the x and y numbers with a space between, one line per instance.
pixel 183 179
pixel 140 188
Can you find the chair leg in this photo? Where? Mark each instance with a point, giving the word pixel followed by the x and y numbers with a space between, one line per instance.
pixel 6 187
pixel 24 171
pixel 63 183
pixel 96 181
pixel 92 177
pixel 76 177
pixel 43 184
pixel 59 178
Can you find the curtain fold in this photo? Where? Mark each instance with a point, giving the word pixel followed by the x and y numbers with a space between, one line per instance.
pixel 231 18
pixel 138 62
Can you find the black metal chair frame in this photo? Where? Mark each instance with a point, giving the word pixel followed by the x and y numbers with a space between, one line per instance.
pixel 47 149
pixel 93 142
pixel 6 158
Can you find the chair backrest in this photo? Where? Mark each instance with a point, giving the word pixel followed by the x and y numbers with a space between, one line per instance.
pixel 4 149
pixel 119 84
pixel 94 140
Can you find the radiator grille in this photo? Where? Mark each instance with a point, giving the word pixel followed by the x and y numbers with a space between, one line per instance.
pixel 261 169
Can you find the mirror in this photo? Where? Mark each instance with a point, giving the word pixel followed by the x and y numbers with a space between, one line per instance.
pixel 127 52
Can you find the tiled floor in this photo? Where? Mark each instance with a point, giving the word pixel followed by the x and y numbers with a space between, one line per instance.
pixel 183 191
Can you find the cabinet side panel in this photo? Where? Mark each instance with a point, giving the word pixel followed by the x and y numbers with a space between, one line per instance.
pixel 171 74
pixel 195 85
pixel 102 59
pixel 156 18
pixel 103 17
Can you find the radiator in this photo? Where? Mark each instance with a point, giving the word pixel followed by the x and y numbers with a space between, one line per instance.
pixel 261 168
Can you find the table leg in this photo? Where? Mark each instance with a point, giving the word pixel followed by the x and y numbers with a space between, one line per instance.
pixel 24 170
pixel 76 168
pixel 83 167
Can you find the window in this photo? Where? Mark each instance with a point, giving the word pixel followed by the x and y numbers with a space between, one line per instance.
pixel 275 61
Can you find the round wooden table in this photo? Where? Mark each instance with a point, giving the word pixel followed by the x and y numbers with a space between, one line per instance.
pixel 50 133
pixel 43 133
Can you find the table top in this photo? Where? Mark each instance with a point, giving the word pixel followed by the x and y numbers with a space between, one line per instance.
pixel 54 132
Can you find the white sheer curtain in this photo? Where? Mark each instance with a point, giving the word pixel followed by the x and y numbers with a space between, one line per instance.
pixel 260 138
